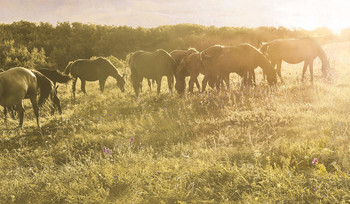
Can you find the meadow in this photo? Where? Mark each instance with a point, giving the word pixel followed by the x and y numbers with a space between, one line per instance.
pixel 254 145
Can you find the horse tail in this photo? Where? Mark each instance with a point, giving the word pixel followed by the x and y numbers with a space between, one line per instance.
pixel 67 70
pixel 45 85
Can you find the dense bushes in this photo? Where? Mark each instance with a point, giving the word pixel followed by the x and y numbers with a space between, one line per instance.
pixel 57 45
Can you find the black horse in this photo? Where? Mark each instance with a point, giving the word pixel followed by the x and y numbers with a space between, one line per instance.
pixel 151 65
pixel 93 70
pixel 55 76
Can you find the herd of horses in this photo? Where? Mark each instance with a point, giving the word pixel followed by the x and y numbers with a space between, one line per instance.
pixel 215 63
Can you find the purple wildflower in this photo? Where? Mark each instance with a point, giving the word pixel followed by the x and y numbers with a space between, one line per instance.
pixel 106 151
pixel 131 140
pixel 116 176
pixel 323 196
pixel 314 189
pixel 314 161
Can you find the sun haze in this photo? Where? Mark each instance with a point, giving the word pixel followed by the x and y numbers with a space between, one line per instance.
pixel 151 13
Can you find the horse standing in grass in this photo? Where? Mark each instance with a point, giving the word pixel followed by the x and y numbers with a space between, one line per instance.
pixel 20 83
pixel 151 65
pixel 294 51
pixel 92 70
pixel 220 61
pixel 181 73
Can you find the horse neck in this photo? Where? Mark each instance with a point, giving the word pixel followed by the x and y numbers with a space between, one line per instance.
pixel 265 64
pixel 323 57
pixel 114 73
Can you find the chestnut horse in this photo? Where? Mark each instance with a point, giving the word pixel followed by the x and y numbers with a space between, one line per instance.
pixel 294 51
pixel 93 70
pixel 242 59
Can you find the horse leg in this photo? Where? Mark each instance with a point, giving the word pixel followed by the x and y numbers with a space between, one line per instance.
pixel 20 110
pixel 83 82
pixel 304 70
pixel 279 67
pixel 36 110
pixel 204 83
pixel 102 85
pixel 191 84
pixel 311 67
pixel 227 81
pixel 73 86
pixel 197 83
pixel 5 114
pixel 170 83
pixel 159 83
pixel 149 85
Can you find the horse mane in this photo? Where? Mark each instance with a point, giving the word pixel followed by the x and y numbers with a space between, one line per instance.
pixel 192 49
pixel 45 85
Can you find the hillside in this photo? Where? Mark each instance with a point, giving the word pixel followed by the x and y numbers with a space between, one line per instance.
pixel 250 146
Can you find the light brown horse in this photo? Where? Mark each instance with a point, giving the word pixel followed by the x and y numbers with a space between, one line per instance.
pixel 151 65
pixel 242 59
pixel 182 73
pixel 92 70
pixel 19 83
pixel 294 51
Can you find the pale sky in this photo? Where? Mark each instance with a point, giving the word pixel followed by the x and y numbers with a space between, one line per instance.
pixel 307 14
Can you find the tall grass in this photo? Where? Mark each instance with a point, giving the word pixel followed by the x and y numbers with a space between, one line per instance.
pixel 246 146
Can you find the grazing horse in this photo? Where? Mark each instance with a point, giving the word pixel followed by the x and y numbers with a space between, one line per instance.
pixel 180 75
pixel 55 76
pixel 93 70
pixel 20 83
pixel 220 61
pixel 191 65
pixel 151 65
pixel 294 51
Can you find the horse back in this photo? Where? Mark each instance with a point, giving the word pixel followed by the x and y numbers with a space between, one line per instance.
pixel 20 83
pixel 153 65
pixel 90 70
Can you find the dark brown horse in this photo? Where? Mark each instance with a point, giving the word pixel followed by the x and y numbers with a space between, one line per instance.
pixel 193 65
pixel 182 73
pixel 55 76
pixel 20 83
pixel 219 61
pixel 93 70
pixel 151 65
pixel 294 51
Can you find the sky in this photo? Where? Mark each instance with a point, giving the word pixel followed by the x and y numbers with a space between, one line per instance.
pixel 306 14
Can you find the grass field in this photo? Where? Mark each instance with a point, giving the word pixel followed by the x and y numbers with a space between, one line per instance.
pixel 254 146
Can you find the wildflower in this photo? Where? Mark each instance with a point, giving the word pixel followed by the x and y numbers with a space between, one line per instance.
pixel 116 176
pixel 314 189
pixel 106 151
pixel 131 140
pixel 314 161
pixel 323 196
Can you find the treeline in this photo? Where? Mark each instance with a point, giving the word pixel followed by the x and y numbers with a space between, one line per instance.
pixel 44 45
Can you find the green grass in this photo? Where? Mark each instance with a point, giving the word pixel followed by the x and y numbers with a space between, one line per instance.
pixel 250 146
